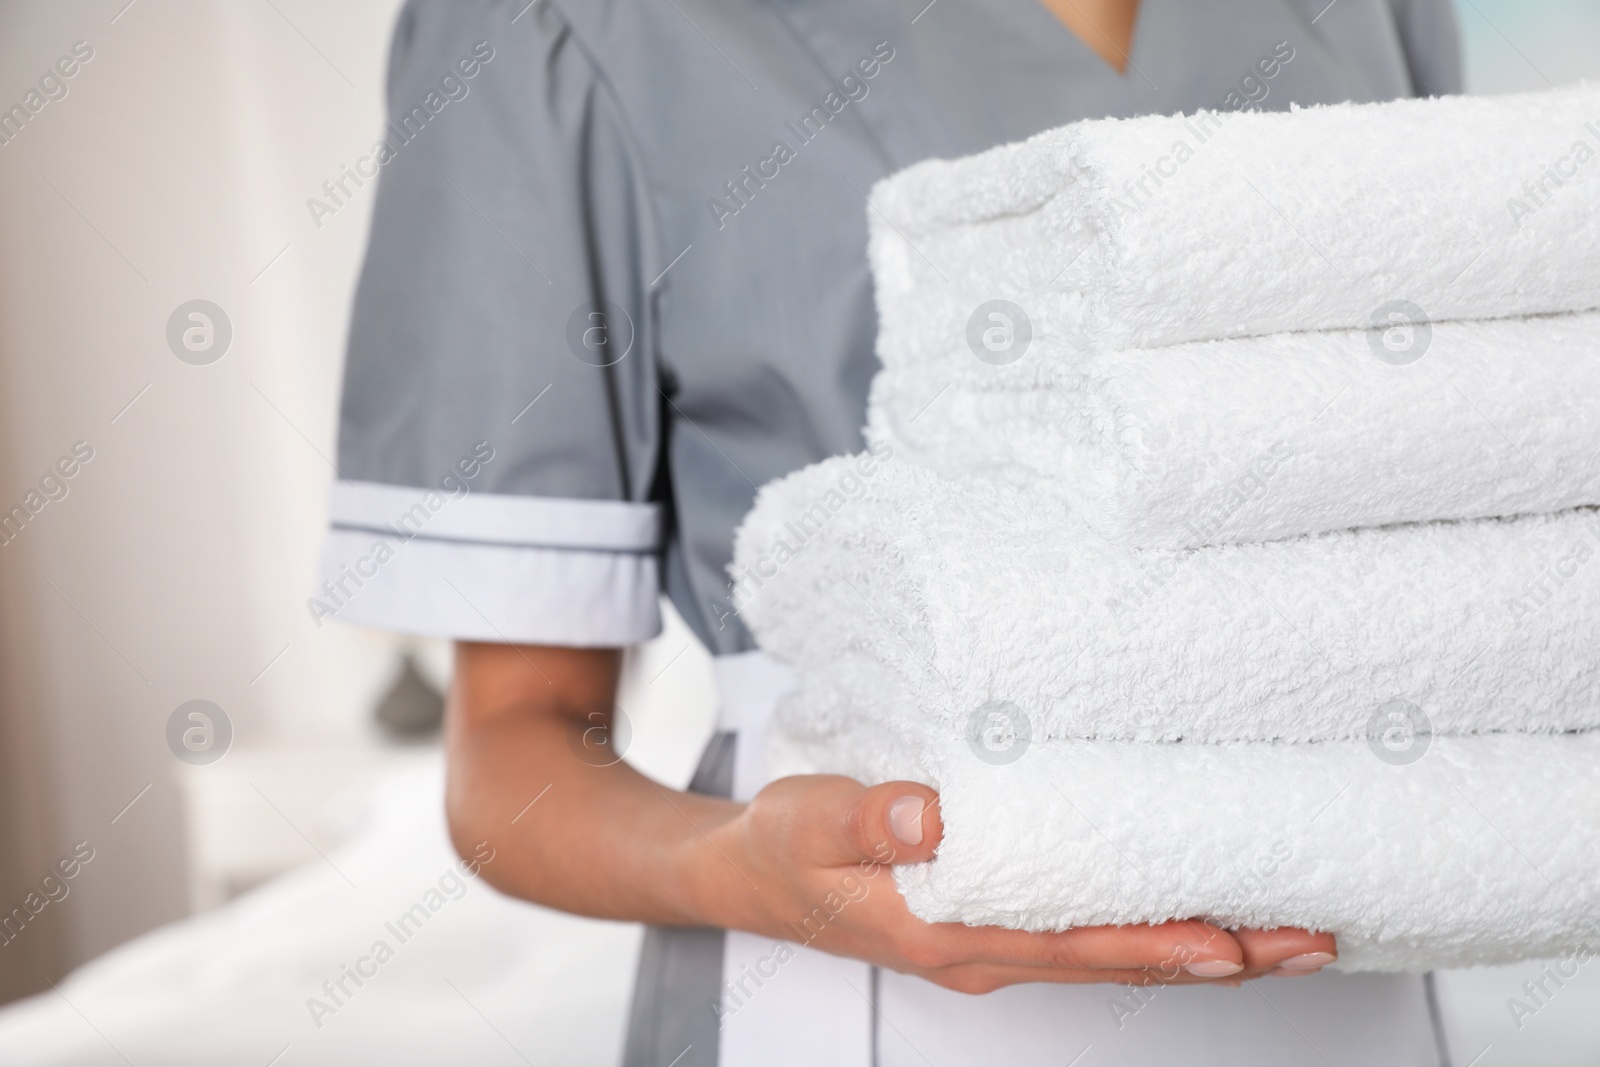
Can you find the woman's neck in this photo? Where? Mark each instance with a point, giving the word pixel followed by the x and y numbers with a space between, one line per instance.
pixel 1104 25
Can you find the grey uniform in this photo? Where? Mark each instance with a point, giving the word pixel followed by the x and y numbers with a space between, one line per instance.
pixel 625 259
pixel 617 274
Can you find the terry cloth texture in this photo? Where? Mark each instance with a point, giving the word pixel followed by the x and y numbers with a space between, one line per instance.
pixel 946 631
pixel 1269 437
pixel 1186 613
pixel 1132 233
pixel 1444 852
pixel 965 592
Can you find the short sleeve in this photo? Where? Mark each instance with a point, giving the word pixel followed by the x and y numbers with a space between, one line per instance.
pixel 499 427
pixel 1431 37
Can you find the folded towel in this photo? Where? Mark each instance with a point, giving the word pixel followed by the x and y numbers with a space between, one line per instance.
pixel 1133 233
pixel 1266 437
pixel 1457 851
pixel 970 593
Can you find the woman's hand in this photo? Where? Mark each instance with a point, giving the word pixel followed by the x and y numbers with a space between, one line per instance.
pixel 807 861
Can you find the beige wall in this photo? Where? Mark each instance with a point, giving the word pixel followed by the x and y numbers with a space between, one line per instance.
pixel 177 566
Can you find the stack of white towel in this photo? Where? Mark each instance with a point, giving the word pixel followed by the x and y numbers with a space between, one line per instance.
pixel 1224 544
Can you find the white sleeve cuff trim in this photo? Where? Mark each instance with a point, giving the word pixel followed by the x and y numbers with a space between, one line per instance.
pixel 488 592
pixel 407 513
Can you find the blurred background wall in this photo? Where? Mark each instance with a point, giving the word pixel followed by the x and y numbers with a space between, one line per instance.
pixel 175 168
pixel 176 566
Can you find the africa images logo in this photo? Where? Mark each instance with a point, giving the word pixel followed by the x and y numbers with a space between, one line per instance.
pixel 998 732
pixel 999 332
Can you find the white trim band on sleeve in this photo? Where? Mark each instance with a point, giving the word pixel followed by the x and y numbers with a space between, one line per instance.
pixel 409 512
pixel 490 567
pixel 488 592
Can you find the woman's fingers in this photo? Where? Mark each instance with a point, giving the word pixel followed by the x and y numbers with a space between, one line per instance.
pixel 1286 950
pixel 1167 949
pixel 1168 952
pixel 978 978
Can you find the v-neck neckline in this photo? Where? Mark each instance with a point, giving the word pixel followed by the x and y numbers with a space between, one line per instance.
pixel 1057 75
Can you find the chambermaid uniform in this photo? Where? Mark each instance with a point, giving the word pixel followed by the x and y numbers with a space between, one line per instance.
pixel 617 280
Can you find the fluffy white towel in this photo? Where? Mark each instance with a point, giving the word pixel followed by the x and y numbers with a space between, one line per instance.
pixel 1139 232
pixel 1266 437
pixel 970 593
pixel 1456 851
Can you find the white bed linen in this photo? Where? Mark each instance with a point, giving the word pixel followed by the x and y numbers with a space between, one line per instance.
pixel 486 980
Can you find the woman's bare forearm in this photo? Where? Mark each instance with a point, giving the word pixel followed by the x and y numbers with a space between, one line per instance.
pixel 574 828
pixel 530 773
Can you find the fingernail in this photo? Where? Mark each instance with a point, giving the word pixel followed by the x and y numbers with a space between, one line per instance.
pixel 1214 968
pixel 905 819
pixel 1306 962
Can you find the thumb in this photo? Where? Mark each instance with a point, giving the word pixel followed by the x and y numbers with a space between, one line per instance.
pixel 832 821
pixel 896 822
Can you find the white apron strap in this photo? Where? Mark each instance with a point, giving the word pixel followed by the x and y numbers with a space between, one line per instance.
pixel 783 1005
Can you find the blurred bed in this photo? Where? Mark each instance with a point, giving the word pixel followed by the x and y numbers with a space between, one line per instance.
pixel 483 979
pixel 474 976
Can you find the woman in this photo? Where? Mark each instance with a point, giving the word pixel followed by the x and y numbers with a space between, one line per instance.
pixel 617 280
